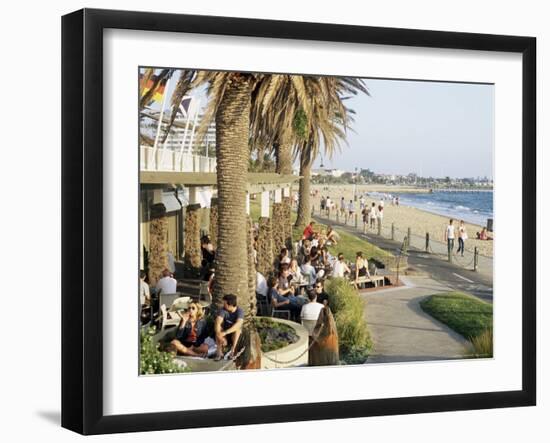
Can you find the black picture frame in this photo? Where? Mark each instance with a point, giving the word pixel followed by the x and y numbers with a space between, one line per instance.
pixel 82 209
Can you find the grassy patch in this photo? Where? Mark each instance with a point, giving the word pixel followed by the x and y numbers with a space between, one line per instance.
pixel 348 245
pixel 348 309
pixel 467 315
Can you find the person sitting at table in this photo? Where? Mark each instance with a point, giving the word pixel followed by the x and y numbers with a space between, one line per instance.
pixel 295 272
pixel 144 293
pixel 315 240
pixel 311 310
pixel 191 332
pixel 290 302
pixel 340 268
pixel 308 271
pixel 305 250
pixel 284 257
pixel 228 324
pixel 322 296
pixel 315 256
pixel 361 267
pixel 167 284
pixel 285 288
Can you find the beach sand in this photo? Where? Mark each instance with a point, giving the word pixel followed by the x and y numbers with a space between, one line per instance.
pixel 405 217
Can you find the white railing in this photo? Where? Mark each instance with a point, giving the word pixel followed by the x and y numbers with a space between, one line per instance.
pixel 159 159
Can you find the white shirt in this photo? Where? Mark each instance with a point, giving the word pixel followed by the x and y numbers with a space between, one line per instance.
pixel 351 207
pixel 144 293
pixel 311 311
pixel 167 285
pixel 451 232
pixel 381 203
pixel 338 269
pixel 261 284
pixel 462 233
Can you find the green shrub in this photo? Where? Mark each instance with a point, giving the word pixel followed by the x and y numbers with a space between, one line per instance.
pixel 153 361
pixel 483 344
pixel 348 309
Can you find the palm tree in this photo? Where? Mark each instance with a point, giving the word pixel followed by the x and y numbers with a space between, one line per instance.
pixel 328 122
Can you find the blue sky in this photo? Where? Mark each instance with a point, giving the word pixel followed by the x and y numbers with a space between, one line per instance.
pixel 431 128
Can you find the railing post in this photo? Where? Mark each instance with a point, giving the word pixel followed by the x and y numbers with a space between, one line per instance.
pixel 312 210
pixel 476 256
pixel 427 242
pixel 379 227
pixel 337 216
pixel 408 238
pixel 449 252
pixel 393 231
pixel 355 221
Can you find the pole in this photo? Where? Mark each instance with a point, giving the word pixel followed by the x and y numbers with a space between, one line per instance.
pixel 355 221
pixel 449 252
pixel 427 242
pixel 408 238
pixel 379 226
pixel 161 116
pixel 476 256
pixel 393 231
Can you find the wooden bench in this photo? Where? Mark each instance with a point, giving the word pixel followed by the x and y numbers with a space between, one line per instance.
pixel 374 279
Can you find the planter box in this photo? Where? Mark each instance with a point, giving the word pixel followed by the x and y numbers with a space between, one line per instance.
pixel 287 357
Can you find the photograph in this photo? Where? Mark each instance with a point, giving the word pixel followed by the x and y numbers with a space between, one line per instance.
pixel 289 221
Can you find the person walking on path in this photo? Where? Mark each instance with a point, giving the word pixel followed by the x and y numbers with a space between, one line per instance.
pixel 450 236
pixel 343 208
pixel 372 215
pixel 462 237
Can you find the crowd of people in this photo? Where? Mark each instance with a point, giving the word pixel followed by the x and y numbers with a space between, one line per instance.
pixel 371 214
pixel 296 283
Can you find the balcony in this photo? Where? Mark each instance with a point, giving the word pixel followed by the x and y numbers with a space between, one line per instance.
pixel 159 159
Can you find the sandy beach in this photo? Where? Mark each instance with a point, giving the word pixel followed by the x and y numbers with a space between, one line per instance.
pixel 405 217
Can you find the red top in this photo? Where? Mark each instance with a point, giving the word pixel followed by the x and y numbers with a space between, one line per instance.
pixel 308 231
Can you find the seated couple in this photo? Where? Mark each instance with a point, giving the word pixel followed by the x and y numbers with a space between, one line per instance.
pixel 192 332
pixel 291 302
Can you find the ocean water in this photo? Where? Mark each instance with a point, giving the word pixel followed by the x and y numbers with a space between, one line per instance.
pixel 473 207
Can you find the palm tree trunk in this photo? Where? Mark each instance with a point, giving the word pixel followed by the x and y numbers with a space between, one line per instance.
pixel 265 247
pixel 158 243
pixel 232 125
pixel 213 228
pixel 251 269
pixel 282 219
pixel 193 255
pixel 231 277
pixel 304 189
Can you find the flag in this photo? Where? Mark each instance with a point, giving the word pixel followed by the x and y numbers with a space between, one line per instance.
pixel 159 90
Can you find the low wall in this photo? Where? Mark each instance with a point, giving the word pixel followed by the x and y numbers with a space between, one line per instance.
pixel 291 352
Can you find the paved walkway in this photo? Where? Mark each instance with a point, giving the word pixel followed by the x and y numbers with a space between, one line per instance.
pixel 402 331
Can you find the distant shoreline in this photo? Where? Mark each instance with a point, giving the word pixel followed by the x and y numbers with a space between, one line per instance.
pixel 419 220
pixel 400 189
